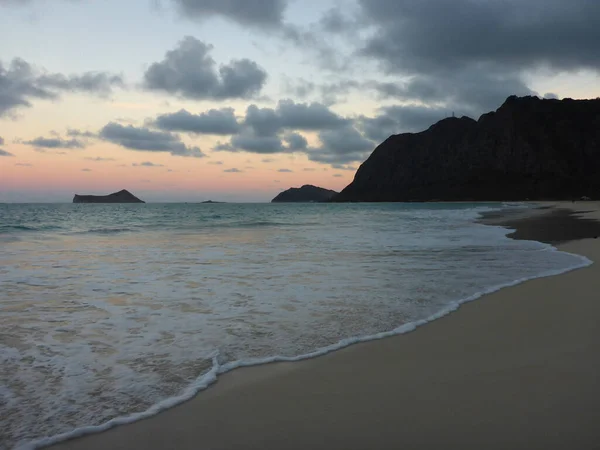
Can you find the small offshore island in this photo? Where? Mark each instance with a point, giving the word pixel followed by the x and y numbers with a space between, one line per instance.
pixel 123 196
pixel 307 193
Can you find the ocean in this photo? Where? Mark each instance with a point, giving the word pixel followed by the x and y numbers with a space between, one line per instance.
pixel 111 313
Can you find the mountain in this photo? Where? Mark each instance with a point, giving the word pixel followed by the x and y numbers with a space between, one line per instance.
pixel 529 148
pixel 116 197
pixel 306 193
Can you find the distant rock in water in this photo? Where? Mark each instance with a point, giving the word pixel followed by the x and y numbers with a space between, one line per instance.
pixel 117 197
pixel 211 201
pixel 306 193
pixel 528 148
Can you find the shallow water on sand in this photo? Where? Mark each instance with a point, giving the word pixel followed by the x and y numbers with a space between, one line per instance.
pixel 106 310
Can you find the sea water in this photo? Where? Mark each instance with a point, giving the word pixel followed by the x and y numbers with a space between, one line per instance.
pixel 109 313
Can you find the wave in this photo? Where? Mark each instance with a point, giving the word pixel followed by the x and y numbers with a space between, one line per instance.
pixel 20 228
pixel 106 231
pixel 208 378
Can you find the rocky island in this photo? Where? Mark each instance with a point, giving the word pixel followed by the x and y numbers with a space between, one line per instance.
pixel 306 193
pixel 122 196
pixel 528 149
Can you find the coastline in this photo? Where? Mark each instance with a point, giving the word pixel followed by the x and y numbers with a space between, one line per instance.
pixel 498 373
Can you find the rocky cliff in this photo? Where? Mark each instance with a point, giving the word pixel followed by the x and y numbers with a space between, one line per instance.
pixel 528 148
pixel 116 197
pixel 306 193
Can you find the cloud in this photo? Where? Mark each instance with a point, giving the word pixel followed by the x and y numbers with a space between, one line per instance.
pixel 86 170
pixel 433 35
pixel 143 139
pixel 214 121
pixel 42 142
pixel 100 83
pixel 270 130
pixel 18 2
pixel 24 164
pixel 233 170
pixel 471 55
pixel 189 71
pixel 400 119
pixel 267 160
pixel 78 133
pixel 146 164
pixel 262 127
pixel 343 167
pixel 337 175
pixel 5 153
pixel 290 115
pixel 99 159
pixel 296 142
pixel 309 169
pixel 1 140
pixel 216 163
pixel 255 144
pixel 254 13
pixel 20 83
pixel 285 171
pixel 470 90
pixel 341 146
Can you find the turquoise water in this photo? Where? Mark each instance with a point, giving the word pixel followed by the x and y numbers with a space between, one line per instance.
pixel 112 311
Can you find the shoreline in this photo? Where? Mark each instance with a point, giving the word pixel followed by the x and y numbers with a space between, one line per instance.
pixel 242 382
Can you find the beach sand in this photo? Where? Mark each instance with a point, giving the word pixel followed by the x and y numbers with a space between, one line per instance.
pixel 516 369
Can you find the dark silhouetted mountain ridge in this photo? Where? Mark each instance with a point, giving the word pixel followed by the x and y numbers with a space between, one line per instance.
pixel 529 148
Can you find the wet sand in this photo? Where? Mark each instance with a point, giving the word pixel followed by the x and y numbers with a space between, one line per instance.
pixel 516 369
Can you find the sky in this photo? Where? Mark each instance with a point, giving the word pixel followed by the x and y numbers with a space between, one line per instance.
pixel 236 100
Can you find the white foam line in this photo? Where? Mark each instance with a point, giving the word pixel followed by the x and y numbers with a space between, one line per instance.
pixel 204 381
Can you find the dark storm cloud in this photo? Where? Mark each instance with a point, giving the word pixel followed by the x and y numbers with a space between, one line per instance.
pixel 439 35
pixel 42 142
pixel 215 121
pixel 143 139
pixel 20 83
pixel 189 71
pixel 256 13
pixel 466 55
pixel 5 153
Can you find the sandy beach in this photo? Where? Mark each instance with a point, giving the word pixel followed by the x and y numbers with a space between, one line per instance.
pixel 516 369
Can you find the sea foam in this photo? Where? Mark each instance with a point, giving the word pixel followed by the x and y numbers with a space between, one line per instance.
pixel 152 318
